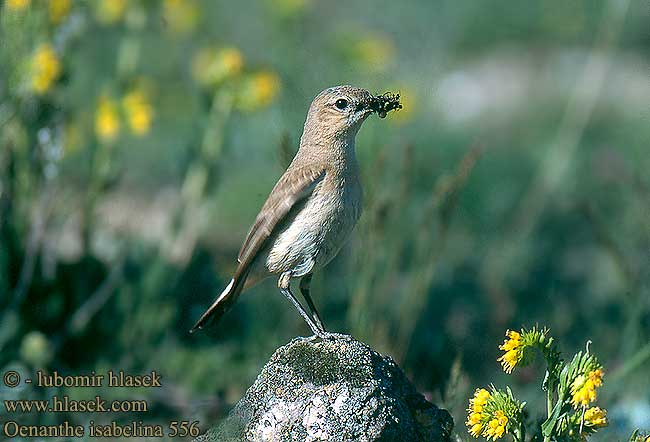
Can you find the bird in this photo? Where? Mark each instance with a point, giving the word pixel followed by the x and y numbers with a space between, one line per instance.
pixel 313 207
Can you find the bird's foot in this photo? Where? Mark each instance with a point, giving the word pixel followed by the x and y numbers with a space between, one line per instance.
pixel 330 336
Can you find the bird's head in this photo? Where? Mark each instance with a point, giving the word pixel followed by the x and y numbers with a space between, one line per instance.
pixel 339 111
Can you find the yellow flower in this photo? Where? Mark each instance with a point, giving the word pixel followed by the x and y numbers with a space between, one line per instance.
pixel 475 429
pixel 110 11
pixel 58 10
pixel 497 425
pixel 107 121
pixel 180 15
pixel 583 388
pixel 514 351
pixel 481 396
pixel 259 90
pixel 266 85
pixel 513 341
pixel 374 52
pixel 139 112
pixel 596 417
pixel 231 60
pixel 17 5
pixel 475 423
pixel 491 413
pixel 45 68
pixel 211 66
pixel 476 417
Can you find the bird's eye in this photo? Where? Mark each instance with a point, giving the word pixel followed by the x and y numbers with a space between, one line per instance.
pixel 341 103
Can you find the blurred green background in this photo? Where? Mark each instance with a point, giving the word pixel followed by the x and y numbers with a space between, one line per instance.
pixel 139 139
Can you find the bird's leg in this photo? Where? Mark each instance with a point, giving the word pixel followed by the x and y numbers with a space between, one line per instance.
pixel 283 285
pixel 305 284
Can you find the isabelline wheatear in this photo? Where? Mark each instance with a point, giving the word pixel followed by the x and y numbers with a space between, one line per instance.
pixel 313 207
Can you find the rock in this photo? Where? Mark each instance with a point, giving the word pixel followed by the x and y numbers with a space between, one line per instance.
pixel 335 390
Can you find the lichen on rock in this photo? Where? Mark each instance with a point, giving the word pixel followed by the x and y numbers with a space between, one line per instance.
pixel 333 390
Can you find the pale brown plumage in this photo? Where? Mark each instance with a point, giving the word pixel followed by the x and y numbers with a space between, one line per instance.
pixel 292 187
pixel 312 208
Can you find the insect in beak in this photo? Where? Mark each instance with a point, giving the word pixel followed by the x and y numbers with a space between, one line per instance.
pixel 384 103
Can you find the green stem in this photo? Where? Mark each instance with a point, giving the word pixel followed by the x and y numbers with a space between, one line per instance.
pixel 520 434
pixel 549 404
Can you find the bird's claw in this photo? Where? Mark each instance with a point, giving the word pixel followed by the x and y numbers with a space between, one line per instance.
pixel 328 336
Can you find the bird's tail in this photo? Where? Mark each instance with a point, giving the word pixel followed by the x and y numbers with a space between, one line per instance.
pixel 223 303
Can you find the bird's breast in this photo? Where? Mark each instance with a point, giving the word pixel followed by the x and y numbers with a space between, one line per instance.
pixel 319 227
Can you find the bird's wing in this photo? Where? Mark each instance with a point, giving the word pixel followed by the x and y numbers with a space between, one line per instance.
pixel 294 186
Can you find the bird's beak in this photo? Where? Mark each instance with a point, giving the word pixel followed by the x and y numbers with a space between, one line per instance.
pixel 367 107
pixel 375 104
